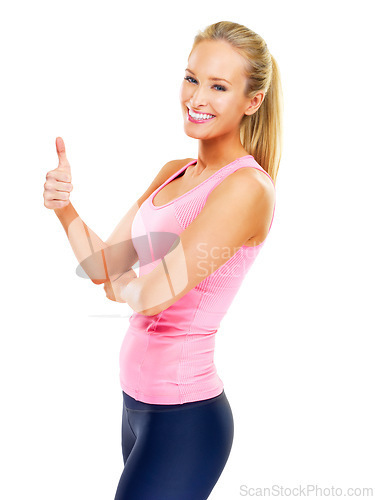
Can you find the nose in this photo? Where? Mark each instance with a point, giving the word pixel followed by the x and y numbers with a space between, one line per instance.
pixel 198 98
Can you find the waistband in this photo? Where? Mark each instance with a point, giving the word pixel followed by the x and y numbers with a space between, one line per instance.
pixel 135 405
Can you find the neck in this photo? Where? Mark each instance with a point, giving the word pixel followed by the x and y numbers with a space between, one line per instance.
pixel 216 153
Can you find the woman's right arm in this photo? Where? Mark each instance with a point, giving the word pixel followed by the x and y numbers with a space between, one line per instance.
pixel 92 253
pixel 98 258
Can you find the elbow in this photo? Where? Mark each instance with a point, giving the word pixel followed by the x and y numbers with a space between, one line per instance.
pixel 136 296
pixel 139 307
pixel 152 311
pixel 148 296
pixel 98 282
pixel 132 294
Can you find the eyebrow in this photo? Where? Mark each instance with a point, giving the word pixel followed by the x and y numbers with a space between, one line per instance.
pixel 211 78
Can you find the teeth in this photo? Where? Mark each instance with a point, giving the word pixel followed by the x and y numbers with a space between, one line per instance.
pixel 199 116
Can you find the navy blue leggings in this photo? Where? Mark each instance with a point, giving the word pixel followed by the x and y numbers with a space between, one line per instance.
pixel 174 452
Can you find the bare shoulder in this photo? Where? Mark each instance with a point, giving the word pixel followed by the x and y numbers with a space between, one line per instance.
pixel 166 171
pixel 172 166
pixel 253 176
pixel 249 192
pixel 247 183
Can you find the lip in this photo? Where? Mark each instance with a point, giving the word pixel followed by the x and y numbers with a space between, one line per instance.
pixel 198 121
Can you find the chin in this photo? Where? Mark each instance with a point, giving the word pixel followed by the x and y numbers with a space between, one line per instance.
pixel 193 135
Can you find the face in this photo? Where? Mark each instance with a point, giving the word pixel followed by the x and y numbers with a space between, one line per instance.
pixel 214 84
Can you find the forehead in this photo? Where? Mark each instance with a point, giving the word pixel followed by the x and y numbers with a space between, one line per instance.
pixel 217 58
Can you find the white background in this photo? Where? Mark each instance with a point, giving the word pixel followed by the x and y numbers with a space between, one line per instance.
pixel 296 349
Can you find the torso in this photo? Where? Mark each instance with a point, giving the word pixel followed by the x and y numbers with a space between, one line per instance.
pixel 184 183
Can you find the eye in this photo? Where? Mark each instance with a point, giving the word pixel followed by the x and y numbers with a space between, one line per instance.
pixel 191 80
pixel 222 88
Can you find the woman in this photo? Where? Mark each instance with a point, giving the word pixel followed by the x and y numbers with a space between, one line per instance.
pixel 195 232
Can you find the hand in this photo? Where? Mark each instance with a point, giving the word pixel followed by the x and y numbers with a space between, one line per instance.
pixel 58 185
pixel 114 286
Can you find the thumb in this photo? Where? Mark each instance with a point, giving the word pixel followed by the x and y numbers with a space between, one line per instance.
pixel 61 153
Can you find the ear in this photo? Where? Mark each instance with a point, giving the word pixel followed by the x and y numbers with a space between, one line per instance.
pixel 255 103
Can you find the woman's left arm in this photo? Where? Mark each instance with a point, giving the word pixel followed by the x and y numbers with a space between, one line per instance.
pixel 238 209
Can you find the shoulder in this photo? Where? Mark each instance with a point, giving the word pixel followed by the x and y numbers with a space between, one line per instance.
pixel 252 177
pixel 172 166
pixel 247 197
pixel 166 171
pixel 246 186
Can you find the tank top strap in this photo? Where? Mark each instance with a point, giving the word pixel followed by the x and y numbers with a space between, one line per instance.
pixel 245 161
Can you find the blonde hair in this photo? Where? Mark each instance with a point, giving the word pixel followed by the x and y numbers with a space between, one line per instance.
pixel 261 132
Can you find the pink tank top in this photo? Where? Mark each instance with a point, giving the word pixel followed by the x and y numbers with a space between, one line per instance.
pixel 168 358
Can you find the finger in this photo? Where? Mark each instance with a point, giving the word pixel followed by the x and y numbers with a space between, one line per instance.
pixel 63 186
pixel 109 290
pixel 61 153
pixel 59 175
pixel 57 195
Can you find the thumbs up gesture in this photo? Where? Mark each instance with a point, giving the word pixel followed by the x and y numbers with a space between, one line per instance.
pixel 58 185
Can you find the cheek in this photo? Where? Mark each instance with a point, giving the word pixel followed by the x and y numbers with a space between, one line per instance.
pixel 229 107
pixel 184 93
pixel 223 107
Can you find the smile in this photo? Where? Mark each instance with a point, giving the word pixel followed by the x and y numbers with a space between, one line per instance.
pixel 199 117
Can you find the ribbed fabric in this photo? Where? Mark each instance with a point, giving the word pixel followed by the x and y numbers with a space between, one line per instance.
pixel 168 358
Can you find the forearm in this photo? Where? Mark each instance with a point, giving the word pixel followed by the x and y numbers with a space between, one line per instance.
pixel 90 250
pixel 153 292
